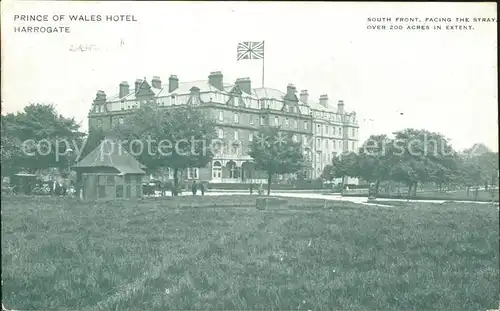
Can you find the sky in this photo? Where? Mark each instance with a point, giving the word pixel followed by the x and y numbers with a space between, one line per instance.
pixel 444 81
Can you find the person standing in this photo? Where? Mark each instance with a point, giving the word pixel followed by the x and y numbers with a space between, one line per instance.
pixel 194 187
pixel 202 188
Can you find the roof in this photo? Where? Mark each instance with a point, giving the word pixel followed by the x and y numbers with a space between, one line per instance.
pixel 109 153
pixel 277 94
pixel 205 86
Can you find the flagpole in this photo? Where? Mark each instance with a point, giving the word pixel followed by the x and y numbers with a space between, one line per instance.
pixel 263 60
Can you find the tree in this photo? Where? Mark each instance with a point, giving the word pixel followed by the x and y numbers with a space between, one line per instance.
pixel 418 155
pixel 176 138
pixel 374 162
pixel 488 165
pixel 276 153
pixel 39 138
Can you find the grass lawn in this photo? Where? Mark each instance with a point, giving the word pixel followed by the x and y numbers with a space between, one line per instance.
pixel 59 254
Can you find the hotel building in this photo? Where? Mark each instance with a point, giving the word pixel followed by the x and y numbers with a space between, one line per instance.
pixel 239 110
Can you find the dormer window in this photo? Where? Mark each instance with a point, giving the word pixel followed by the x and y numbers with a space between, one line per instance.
pixel 236 101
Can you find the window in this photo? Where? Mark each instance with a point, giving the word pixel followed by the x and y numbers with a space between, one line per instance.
pixel 217 170
pixel 305 125
pixel 292 109
pixel 318 129
pixel 110 181
pixel 326 129
pixel 276 120
pixel 326 143
pixel 251 119
pixel 233 170
pixel 294 138
pixel 353 146
pixel 120 120
pixel 221 115
pixel 353 132
pixel 99 123
pixel 170 173
pixel 250 136
pixel 333 130
pixel 262 120
pixel 287 122
pixel 236 101
pixel 173 100
pixel 318 143
pixel 220 133
pixel 235 148
pixel 340 131
pixel 236 135
pixel 192 173
pixel 236 118
pixel 122 105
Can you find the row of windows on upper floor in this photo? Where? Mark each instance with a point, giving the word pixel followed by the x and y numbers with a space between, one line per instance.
pixel 319 145
pixel 237 102
pixel 287 123
pixel 293 123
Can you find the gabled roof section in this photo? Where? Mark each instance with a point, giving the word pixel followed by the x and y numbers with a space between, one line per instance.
pixel 144 89
pixel 236 90
pixel 110 153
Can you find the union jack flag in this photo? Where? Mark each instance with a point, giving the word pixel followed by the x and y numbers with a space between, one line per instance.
pixel 250 50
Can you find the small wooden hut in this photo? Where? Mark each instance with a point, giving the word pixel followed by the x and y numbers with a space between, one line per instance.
pixel 109 172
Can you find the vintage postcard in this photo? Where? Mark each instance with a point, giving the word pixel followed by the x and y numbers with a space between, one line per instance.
pixel 249 155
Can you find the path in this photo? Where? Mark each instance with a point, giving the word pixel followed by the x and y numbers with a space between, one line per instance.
pixel 331 197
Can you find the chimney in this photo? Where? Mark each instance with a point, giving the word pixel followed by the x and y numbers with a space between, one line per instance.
pixel 124 89
pixel 323 100
pixel 216 80
pixel 340 107
pixel 173 83
pixel 291 90
pixel 304 96
pixel 100 96
pixel 156 82
pixel 244 84
pixel 138 83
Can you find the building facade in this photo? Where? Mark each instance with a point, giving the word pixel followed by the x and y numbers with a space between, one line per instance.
pixel 239 110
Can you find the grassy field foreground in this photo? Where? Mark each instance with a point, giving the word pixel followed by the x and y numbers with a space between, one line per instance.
pixel 164 255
